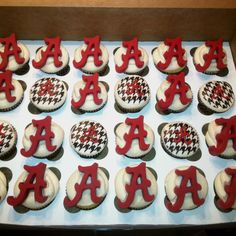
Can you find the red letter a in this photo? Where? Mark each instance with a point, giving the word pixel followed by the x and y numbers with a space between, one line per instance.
pixel 6 85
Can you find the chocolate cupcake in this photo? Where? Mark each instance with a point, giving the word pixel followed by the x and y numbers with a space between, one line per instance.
pixel 132 93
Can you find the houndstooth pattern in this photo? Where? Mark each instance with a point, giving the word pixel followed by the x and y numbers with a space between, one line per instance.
pixel 181 148
pixel 47 99
pixel 79 130
pixel 134 97
pixel 219 101
pixel 8 140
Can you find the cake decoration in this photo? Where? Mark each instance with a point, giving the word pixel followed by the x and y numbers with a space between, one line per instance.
pixel 3 186
pixel 6 85
pixel 88 138
pixel 86 188
pixel 186 188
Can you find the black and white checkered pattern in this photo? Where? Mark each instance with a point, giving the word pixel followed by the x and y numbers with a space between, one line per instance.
pixel 180 149
pixel 8 140
pixel 88 147
pixel 48 100
pixel 133 98
pixel 218 103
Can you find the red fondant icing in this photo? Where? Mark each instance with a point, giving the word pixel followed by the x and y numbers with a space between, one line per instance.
pixel 188 176
pixel 6 85
pixel 230 189
pixel 47 88
pixel 89 135
pixel 227 133
pixel 132 52
pixel 138 181
pixel 2 134
pixel 177 86
pixel 43 133
pixel 215 53
pixel 93 49
pixel 34 182
pixel 182 136
pixel 134 87
pixel 175 50
pixel 10 49
pixel 90 182
pixel 91 87
pixel 136 131
pixel 53 50
pixel 218 92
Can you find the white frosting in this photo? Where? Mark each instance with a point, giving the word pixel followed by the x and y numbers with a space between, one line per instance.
pixel 18 92
pixel 134 150
pixel 49 66
pixel 198 58
pixel 12 64
pixel 123 178
pixel 89 104
pixel 158 56
pixel 42 150
pixel 132 68
pixel 176 105
pixel 3 186
pixel 86 202
pixel 50 191
pixel 213 130
pixel 220 181
pixel 90 65
pixel 172 180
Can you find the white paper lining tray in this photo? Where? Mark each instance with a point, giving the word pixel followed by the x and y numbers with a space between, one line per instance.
pixel 106 214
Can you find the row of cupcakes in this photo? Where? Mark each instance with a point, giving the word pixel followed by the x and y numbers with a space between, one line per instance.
pixel 92 57
pixel 132 94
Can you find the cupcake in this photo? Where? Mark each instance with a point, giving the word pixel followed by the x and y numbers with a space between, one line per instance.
pixel 8 140
pixel 48 94
pixel 52 58
pixel 35 188
pixel 210 58
pixel 3 186
pixel 42 139
pixel 134 138
pixel 86 188
pixel 180 140
pixel 130 58
pixel 14 56
pixel 186 188
pixel 224 186
pixel 132 93
pixel 11 92
pixel 88 138
pixel 89 94
pixel 91 57
pixel 220 137
pixel 136 187
pixel 215 97
pixel 170 57
pixel 174 95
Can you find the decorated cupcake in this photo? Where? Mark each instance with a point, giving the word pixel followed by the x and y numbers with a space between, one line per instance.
pixel 14 56
pixel 173 95
pixel 224 186
pixel 186 188
pixel 170 57
pixel 11 91
pixel 89 94
pixel 88 138
pixel 43 139
pixel 210 58
pixel 8 140
pixel 86 188
pixel 5 177
pixel 215 97
pixel 48 94
pixel 52 58
pixel 132 93
pixel 35 188
pixel 221 137
pixel 130 58
pixel 136 187
pixel 134 138
pixel 91 57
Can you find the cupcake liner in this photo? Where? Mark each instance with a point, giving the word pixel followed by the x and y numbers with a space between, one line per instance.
pixel 81 111
pixel 125 110
pixel 13 107
pixel 63 71
pixel 104 71
pixel 23 70
pixel 34 110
